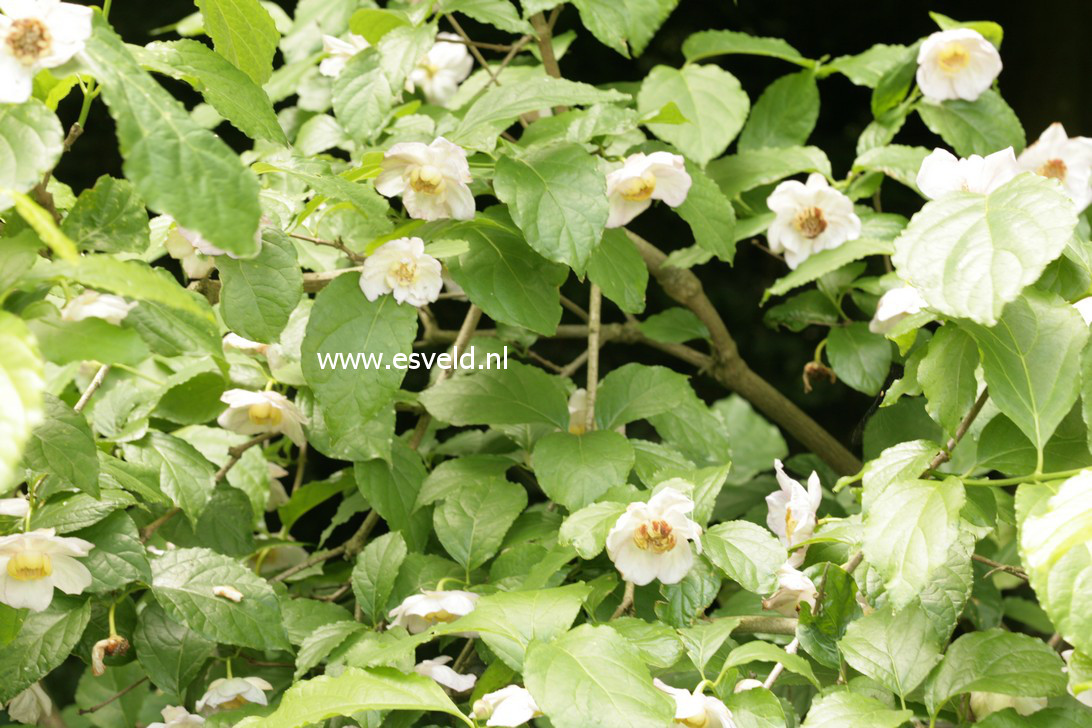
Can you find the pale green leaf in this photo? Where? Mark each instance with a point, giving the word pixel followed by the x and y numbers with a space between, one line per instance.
pixel 259 294
pixel 896 649
pixel 710 43
pixel 472 523
pixel 170 652
pixel 636 392
pixel 747 553
pixel 844 708
pixel 375 571
pixel 575 469
pixel 982 127
pixel 626 26
pixel 518 395
pixel 243 32
pixel 946 374
pixel 746 170
pixel 618 269
pixel 32 144
pixel 64 447
pixel 785 113
pixel 710 215
pixel 42 644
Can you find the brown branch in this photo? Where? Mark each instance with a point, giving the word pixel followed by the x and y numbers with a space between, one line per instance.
pixel 464 655
pixel 103 704
pixel 499 47
pixel 627 601
pixel 998 566
pixel 355 257
pixel 470 324
pixel 96 382
pixel 943 456
pixel 765 625
pixel 349 549
pixel 574 307
pixel 595 312
pixel 729 368
pixel 544 31
pixel 473 48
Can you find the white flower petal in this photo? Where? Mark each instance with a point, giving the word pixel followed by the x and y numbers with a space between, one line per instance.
pixel 69 575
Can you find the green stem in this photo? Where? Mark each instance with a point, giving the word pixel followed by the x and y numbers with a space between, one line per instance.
pixel 1030 478
pixel 227 667
pixel 138 373
pixel 113 623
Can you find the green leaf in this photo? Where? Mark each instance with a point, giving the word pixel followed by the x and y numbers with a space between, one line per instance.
pixel 1010 235
pixel 401 49
pixel 319 644
pixel 227 89
pixel 184 473
pixel 894 84
pixel 657 643
pixel 33 141
pixel 995 661
pixel 859 357
pixel 258 295
pixel 586 530
pixel 708 96
pixel 175 332
pixel 704 640
pixel 844 708
pixel 785 113
pixel 710 215
pixel 1031 362
pixel 243 32
pixel 374 574
pixel 557 196
pixel 165 150
pixel 691 596
pixel 373 24
pixel 820 631
pixel 594 671
pixel 343 320
pixel 988 29
pixel 64 447
pixel 363 97
pixel 867 68
pixel 637 392
pixel 510 621
pixel 747 553
pixel 354 691
pixel 627 25
pixel 909 530
pixel 498 13
pixel 110 218
pixel 826 261
pixel 765 652
pixel 496 109
pixel 709 43
pixel 982 127
pixel 510 282
pixel 131 279
pixel 118 557
pixel 43 223
pixel 183 580
pixel 574 470
pixel 72 511
pixel 170 652
pixel 392 490
pixel 674 325
pixel 43 643
pixel 124 710
pixel 746 170
pixel 472 523
pixel 617 268
pixel 895 649
pixel 947 376
pixel 518 395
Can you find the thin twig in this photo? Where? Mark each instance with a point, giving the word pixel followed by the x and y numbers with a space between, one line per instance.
pixel 998 566
pixel 943 456
pixel 544 362
pixel 479 44
pixel 775 673
pixel 341 591
pixel 96 382
pixel 349 549
pixel 103 704
pixel 464 655
pixel 355 257
pixel 470 324
pixel 473 47
pixel 627 601
pixel 569 369
pixel 595 312
pixel 301 463
pixel 574 307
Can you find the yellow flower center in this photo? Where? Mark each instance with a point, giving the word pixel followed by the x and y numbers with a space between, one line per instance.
pixel 426 179
pixel 953 57
pixel 30 566
pixel 404 273
pixel 237 702
pixel 577 428
pixel 1054 169
pixel 696 721
pixel 441 615
pixel 638 189
pixel 655 536
pixel 810 222
pixel 265 414
pixel 29 40
pixel 790 524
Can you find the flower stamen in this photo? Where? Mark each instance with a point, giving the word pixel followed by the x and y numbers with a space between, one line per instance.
pixel 29 40
pixel 638 189
pixel 1053 169
pixel 265 414
pixel 655 536
pixel 30 566
pixel 426 179
pixel 441 616
pixel 810 222
pixel 696 721
pixel 953 58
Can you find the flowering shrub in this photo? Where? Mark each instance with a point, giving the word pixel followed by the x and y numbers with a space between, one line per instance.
pixel 496 546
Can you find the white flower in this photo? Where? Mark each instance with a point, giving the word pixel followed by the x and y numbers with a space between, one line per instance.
pixel 444 67
pixel 178 717
pixel 642 179
pixel 1084 307
pixel 982 704
pixel 92 304
pixel 810 217
pixel 234 342
pixel 255 413
pixel 340 52
pixel 956 64
pixel 1067 160
pixel 31 705
pixel 791 511
pixel 942 173
pixel 15 507
pixel 37 34
pixel 652 540
pixel 694 709
pixel 509 706
pixel 894 306
pixel 195 262
pixel 420 611
pixel 747 684
pixel 402 267
pixel 439 671
pixel 578 411
pixel 433 179
pixel 31 564
pixel 228 693
pixel 1085 696
pixel 793 587
pixel 228 592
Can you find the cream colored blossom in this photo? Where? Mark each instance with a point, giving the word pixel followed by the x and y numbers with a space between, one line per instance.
pixel 92 304
pixel 642 179
pixel 747 684
pixel 420 611
pixel 31 564
pixel 37 34
pixel 433 179
pixel 1068 160
pixel 956 64
pixel 31 705
pixel 178 717
pixel 810 217
pixel 180 246
pixel 1084 308
pixel 894 306
pixel 339 52
pixel 652 540
pixel 402 267
pixel 791 511
pixel 942 173
pixel 793 587
pixel 14 507
pixel 1085 696
pixel 234 692
pixel 109 647
pixel 983 704
pixel 256 413
pixel 443 68
pixel 438 670
pixel 509 706
pixel 695 710
pixel 228 592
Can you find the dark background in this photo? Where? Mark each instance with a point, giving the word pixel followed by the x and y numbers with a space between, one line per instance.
pixel 1047 62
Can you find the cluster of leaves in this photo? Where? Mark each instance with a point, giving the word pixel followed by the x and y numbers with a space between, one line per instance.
pixel 492 489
